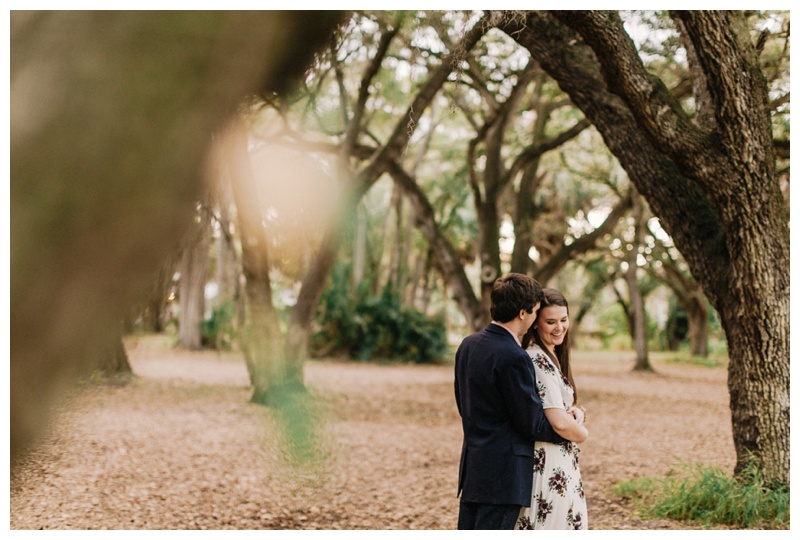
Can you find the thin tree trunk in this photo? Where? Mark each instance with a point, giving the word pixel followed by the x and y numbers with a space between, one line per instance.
pixel 227 262
pixel 192 284
pixel 393 282
pixel 638 320
pixel 154 313
pixel 359 247
pixel 227 278
pixel 698 326
pixel 429 277
pixel 638 314
pixel 260 337
pixel 391 267
pixel 688 293
pixel 314 283
pixel 405 250
pixel 416 278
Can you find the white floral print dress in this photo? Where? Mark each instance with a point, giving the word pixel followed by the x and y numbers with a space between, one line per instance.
pixel 558 501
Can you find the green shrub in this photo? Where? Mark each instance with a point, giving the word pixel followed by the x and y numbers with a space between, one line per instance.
pixel 218 331
pixel 364 327
pixel 708 496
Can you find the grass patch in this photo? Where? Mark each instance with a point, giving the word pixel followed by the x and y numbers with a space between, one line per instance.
pixel 686 358
pixel 709 497
pixel 98 377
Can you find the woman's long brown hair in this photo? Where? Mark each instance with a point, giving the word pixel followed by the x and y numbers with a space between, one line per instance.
pixel 553 298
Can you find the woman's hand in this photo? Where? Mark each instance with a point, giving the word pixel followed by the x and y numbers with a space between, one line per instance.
pixel 578 413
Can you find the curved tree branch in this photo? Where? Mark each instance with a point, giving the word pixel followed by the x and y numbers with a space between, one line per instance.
pixel 536 151
pixel 583 243
pixel 354 124
pixel 395 146
pixel 654 107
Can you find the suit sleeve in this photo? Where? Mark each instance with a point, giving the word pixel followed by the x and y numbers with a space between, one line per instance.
pixel 518 386
pixel 458 397
pixel 455 383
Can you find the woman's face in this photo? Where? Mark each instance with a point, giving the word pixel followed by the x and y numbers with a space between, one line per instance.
pixel 552 325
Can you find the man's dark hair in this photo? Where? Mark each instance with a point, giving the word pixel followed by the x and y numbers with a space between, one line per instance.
pixel 511 293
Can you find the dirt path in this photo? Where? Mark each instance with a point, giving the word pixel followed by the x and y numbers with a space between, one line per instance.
pixel 182 448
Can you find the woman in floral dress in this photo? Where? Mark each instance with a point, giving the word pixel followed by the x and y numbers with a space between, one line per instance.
pixel 558 501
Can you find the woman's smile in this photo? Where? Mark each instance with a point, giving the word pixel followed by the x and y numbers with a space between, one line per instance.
pixel 552 325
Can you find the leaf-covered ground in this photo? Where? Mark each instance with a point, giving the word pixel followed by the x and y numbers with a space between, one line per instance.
pixel 181 447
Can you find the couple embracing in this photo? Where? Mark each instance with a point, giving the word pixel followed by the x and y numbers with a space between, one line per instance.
pixel 516 397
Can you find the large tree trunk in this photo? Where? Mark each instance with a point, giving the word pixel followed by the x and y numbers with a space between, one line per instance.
pixel 526 212
pixel 192 285
pixel 114 362
pixel 714 189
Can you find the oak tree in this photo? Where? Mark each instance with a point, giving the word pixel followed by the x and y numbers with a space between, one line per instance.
pixel 709 175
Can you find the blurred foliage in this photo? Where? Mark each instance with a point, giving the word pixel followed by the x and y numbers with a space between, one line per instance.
pixel 365 327
pixel 676 331
pixel 219 331
pixel 615 328
pixel 302 442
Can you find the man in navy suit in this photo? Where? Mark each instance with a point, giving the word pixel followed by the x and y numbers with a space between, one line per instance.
pixel 501 413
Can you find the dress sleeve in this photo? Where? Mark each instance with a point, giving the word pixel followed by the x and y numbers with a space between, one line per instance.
pixel 548 384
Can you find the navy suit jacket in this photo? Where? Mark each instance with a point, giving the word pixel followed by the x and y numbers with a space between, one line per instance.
pixel 501 415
